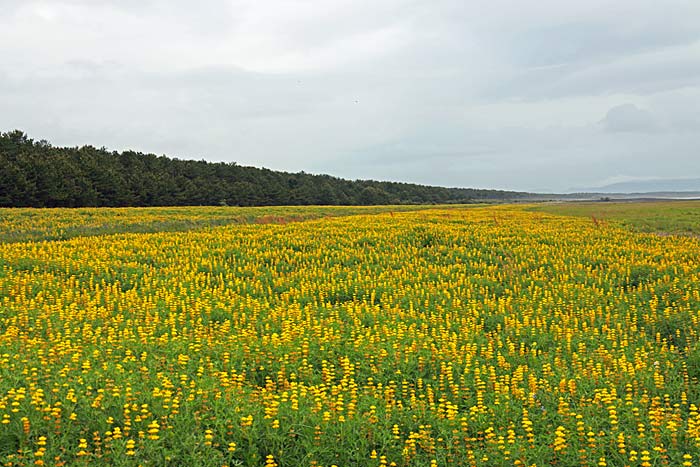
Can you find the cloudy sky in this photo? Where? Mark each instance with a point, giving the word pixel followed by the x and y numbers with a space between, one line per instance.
pixel 528 95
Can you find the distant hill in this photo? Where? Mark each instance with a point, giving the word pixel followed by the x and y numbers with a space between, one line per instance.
pixel 37 174
pixel 649 186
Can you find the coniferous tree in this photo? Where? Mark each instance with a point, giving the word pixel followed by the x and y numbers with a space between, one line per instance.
pixel 40 175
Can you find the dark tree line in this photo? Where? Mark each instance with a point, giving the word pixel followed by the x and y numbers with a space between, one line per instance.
pixel 36 174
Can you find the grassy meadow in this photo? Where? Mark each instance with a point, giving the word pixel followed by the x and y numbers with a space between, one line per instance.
pixel 480 336
pixel 665 217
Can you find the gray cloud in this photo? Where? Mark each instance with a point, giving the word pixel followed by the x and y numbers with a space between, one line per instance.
pixel 628 117
pixel 521 95
pixel 640 74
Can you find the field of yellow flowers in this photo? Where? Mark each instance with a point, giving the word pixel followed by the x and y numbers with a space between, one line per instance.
pixel 25 224
pixel 488 336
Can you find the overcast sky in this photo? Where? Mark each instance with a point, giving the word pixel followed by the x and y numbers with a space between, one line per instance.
pixel 527 95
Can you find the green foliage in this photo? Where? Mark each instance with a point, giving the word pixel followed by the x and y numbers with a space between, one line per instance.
pixel 9 443
pixel 36 174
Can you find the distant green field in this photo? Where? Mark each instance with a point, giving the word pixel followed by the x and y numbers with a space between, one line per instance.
pixel 673 217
